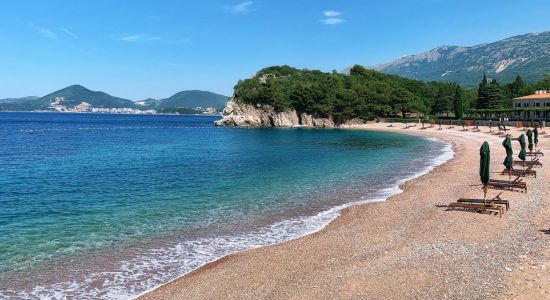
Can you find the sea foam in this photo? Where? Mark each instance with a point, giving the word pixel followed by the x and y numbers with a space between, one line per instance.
pixel 151 268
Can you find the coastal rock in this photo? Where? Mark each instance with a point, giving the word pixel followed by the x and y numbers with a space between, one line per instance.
pixel 247 115
pixel 311 121
pixel 242 116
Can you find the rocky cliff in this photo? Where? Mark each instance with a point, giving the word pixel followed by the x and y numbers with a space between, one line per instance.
pixel 246 115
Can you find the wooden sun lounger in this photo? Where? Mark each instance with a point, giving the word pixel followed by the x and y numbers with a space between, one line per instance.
pixel 516 185
pixel 495 200
pixel 535 153
pixel 528 163
pixel 477 207
pixel 529 172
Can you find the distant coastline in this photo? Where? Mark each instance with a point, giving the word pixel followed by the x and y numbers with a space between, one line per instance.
pixel 109 113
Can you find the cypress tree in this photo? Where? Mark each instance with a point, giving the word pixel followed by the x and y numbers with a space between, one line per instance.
pixel 484 81
pixel 490 97
pixel 458 102
pixel 443 102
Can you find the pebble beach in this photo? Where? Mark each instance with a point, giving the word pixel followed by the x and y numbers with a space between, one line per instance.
pixel 407 247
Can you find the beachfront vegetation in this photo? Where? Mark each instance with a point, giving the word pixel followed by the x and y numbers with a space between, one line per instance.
pixel 368 94
pixel 364 94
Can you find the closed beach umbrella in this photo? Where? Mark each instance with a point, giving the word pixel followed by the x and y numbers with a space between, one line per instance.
pixel 522 153
pixel 509 160
pixel 536 133
pixel 484 162
pixel 530 139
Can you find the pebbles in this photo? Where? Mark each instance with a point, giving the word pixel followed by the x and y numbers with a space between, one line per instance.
pixel 408 247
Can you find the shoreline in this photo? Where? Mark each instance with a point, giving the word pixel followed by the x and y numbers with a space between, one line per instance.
pixel 447 154
pixel 214 275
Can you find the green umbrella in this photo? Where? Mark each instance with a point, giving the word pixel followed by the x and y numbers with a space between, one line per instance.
pixel 536 133
pixel 530 139
pixel 522 153
pixel 509 160
pixel 484 162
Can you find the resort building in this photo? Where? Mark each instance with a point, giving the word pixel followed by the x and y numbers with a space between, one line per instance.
pixel 532 107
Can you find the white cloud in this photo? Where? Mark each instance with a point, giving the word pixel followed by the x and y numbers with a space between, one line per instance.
pixel 333 21
pixel 242 7
pixel 331 13
pixel 332 17
pixel 140 38
pixel 69 33
pixel 45 32
pixel 48 33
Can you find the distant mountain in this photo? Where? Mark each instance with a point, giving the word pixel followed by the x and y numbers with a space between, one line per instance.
pixel 76 94
pixel 192 99
pixel 148 103
pixel 527 55
pixel 18 100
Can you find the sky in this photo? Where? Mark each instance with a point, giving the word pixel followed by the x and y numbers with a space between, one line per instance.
pixel 152 49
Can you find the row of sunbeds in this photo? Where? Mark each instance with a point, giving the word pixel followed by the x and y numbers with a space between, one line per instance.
pixel 497 204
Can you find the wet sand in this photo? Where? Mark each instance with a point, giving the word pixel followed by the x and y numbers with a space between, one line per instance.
pixel 408 247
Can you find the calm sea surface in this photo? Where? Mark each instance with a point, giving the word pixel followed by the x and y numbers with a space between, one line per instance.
pixel 109 206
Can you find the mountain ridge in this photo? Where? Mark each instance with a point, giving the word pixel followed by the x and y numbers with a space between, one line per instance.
pixel 527 55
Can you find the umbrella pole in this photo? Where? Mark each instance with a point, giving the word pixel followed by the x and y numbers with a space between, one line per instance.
pixel 485 194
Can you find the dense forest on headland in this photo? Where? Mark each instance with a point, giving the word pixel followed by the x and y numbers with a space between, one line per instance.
pixel 368 94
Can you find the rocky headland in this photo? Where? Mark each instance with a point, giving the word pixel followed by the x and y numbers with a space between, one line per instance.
pixel 247 115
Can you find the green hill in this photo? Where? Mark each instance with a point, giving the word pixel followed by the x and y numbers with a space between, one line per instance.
pixel 526 55
pixel 18 100
pixel 74 95
pixel 192 99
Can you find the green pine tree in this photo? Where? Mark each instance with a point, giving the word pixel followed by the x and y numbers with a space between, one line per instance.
pixel 490 97
pixel 458 102
pixel 443 103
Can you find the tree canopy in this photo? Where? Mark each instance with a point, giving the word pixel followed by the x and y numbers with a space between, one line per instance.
pixel 368 94
pixel 364 93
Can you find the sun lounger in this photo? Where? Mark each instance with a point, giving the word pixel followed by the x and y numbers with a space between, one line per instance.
pixel 528 163
pixel 496 200
pixel 528 172
pixel 535 153
pixel 477 207
pixel 516 185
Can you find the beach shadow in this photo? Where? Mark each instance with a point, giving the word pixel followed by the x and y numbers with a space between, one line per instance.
pixel 472 210
pixel 545 231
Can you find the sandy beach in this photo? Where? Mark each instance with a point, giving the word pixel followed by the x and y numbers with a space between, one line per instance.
pixel 408 247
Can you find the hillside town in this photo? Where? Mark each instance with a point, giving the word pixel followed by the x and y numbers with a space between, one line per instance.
pixel 58 105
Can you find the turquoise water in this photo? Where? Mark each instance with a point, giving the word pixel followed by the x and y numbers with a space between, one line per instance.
pixel 109 206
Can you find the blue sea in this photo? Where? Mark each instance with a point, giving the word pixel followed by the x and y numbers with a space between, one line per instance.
pixel 98 206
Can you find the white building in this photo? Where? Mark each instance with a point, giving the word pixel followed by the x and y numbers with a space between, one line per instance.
pixel 536 106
